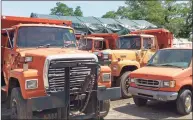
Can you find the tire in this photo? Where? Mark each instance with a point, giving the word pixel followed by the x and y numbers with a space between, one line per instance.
pixel 180 103
pixel 139 101
pixel 122 83
pixel 105 105
pixel 20 105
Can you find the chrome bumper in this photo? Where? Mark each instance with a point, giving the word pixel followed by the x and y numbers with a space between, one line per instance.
pixel 155 95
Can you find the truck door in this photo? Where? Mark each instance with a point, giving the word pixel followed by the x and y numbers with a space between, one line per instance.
pixel 8 57
pixel 147 52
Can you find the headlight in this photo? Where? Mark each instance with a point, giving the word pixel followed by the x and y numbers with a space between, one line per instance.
pixel 169 83
pixel 106 77
pixel 28 59
pixel 31 84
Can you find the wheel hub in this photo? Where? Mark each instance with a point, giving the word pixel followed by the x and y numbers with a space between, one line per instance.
pixel 188 102
pixel 14 109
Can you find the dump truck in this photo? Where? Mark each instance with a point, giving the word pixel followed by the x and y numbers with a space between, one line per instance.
pixel 132 52
pixel 96 43
pixel 44 75
pixel 167 77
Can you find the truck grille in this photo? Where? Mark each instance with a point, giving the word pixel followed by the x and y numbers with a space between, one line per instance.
pixel 77 74
pixel 148 83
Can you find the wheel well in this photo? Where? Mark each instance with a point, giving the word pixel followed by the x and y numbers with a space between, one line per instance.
pixel 128 68
pixel 189 87
pixel 13 83
pixel 2 79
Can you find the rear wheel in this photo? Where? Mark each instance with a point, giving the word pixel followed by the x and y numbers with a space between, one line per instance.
pixel 139 101
pixel 184 102
pixel 124 84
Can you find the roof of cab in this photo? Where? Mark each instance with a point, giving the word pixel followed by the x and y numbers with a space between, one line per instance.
pixel 95 38
pixel 143 35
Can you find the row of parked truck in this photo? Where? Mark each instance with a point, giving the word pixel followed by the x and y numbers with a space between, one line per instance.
pixel 47 69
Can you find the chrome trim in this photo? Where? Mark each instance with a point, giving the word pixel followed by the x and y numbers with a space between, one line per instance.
pixel 148 85
pixel 60 56
pixel 30 80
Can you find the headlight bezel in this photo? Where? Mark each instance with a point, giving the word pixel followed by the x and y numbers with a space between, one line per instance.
pixel 171 84
pixel 106 79
pixel 28 81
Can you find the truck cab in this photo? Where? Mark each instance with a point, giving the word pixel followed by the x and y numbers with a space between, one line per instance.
pixel 166 77
pixel 132 52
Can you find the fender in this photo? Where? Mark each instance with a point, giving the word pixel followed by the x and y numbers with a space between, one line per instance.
pixel 22 76
pixel 104 69
pixel 122 64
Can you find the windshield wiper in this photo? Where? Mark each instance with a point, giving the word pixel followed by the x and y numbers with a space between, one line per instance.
pixel 169 65
pixel 151 65
pixel 42 46
pixel 69 45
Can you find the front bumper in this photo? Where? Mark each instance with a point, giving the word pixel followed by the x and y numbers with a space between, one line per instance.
pixel 57 100
pixel 154 95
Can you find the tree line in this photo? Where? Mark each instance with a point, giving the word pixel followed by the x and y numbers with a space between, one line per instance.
pixel 173 15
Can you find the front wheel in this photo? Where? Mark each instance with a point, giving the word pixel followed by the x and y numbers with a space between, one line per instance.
pixel 184 102
pixel 139 101
pixel 124 84
pixel 105 106
pixel 19 108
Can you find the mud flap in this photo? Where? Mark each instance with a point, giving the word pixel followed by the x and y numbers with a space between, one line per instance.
pixel 104 93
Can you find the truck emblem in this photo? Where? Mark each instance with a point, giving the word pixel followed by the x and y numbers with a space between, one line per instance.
pixel 123 56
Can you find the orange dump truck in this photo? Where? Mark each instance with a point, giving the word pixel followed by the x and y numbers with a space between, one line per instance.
pixel 96 43
pixel 166 77
pixel 43 72
pixel 132 52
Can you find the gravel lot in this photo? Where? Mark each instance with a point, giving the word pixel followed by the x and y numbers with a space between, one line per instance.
pixel 126 109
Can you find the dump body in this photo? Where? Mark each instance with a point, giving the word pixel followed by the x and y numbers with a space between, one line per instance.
pixel 9 21
pixel 164 37
pixel 42 71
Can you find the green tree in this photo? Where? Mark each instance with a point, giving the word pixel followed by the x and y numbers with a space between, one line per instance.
pixel 62 9
pixel 110 14
pixel 174 16
pixel 78 11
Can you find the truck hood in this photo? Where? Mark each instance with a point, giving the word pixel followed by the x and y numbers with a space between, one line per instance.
pixel 123 54
pixel 158 73
pixel 39 55
pixel 44 52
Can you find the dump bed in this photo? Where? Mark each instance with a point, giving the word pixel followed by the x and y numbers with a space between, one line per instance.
pixel 164 37
pixel 110 37
pixel 8 21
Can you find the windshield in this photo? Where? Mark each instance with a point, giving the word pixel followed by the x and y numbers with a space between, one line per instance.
pixel 85 44
pixel 129 42
pixel 35 36
pixel 172 58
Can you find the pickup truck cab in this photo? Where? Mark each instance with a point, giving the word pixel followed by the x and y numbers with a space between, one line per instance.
pixel 166 77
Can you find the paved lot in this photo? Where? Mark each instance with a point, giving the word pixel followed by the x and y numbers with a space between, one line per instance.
pixel 126 109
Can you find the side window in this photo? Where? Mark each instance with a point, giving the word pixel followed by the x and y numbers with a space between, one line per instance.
pixel 10 42
pixel 147 43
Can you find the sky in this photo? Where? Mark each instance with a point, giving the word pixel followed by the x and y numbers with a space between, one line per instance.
pixel 25 8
